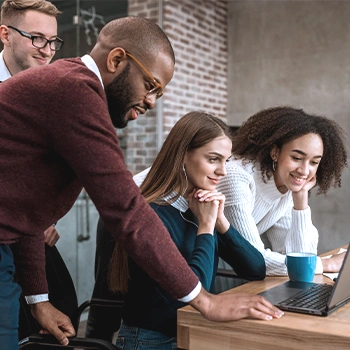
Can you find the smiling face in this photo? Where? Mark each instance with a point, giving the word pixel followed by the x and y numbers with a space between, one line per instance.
pixel 206 165
pixel 19 53
pixel 297 162
pixel 127 94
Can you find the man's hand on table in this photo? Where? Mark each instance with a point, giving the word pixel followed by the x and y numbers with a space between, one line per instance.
pixel 53 321
pixel 232 307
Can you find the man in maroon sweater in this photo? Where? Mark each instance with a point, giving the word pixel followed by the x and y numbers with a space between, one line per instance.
pixel 57 136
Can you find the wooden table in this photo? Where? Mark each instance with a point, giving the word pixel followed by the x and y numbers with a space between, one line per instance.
pixel 292 331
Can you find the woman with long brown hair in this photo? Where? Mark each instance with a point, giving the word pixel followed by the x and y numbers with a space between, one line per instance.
pixel 188 168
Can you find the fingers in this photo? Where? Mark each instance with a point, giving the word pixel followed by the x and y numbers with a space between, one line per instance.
pixel 256 306
pixel 53 321
pixel 264 310
pixel 311 183
pixel 51 236
pixel 61 332
pixel 60 336
pixel 206 195
pixel 260 315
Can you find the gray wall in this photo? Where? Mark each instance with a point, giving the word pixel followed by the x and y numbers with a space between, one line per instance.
pixel 295 53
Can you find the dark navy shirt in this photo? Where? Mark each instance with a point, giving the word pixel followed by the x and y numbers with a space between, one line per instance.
pixel 149 306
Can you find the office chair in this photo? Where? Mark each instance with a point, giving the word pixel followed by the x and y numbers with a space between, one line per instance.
pixel 226 279
pixel 62 295
pixel 75 343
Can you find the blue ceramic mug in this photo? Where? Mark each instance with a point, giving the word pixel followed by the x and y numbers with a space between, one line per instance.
pixel 301 266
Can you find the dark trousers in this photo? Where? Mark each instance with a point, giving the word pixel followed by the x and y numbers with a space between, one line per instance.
pixel 103 322
pixel 10 293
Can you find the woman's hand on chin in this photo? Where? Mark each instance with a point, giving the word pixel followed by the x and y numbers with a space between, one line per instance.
pixel 206 196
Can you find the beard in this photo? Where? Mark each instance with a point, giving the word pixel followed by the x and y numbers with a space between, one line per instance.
pixel 20 59
pixel 118 94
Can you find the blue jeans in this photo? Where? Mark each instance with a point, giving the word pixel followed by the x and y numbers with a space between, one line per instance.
pixel 10 292
pixel 133 338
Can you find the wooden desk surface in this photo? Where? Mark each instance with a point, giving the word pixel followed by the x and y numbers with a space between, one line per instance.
pixel 292 331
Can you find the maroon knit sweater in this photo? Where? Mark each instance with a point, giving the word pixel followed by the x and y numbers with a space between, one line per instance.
pixel 56 137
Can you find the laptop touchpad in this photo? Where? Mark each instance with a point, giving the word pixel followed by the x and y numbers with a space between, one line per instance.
pixel 285 291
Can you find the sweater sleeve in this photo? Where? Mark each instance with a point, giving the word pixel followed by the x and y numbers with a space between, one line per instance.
pixel 201 257
pixel 29 254
pixel 301 235
pixel 243 257
pixel 239 189
pixel 84 136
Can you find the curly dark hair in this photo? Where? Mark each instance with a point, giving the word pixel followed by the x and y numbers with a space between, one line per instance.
pixel 254 140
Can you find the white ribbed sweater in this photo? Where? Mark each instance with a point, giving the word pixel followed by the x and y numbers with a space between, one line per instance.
pixel 254 207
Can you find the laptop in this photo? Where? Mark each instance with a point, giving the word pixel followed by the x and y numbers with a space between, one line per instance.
pixel 313 298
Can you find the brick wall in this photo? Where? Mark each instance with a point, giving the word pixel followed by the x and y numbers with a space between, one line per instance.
pixel 197 30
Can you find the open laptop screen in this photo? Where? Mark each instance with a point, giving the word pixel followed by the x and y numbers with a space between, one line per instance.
pixel 341 289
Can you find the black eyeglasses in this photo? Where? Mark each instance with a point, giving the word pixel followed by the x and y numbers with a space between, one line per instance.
pixel 39 41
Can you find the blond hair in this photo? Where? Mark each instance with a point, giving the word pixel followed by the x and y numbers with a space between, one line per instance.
pixel 13 10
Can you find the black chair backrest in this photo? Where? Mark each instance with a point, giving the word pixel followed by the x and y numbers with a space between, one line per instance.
pixel 63 296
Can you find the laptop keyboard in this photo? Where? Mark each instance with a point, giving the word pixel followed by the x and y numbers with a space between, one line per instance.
pixel 316 297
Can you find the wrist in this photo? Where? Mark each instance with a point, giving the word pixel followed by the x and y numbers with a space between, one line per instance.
pixel 222 225
pixel 205 228
pixel 300 202
pixel 201 302
pixel 39 307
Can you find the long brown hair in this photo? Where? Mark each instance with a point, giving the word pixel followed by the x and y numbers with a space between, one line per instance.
pixel 192 131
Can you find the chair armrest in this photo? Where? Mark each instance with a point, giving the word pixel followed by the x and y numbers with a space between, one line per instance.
pixel 75 342
pixel 97 302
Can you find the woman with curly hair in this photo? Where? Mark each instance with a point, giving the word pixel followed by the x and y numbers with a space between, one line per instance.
pixel 280 154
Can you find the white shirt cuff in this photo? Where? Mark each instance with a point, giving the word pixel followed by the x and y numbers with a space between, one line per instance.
pixel 34 299
pixel 193 294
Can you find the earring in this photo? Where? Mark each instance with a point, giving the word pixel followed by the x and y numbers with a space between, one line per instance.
pixel 184 170
pixel 274 165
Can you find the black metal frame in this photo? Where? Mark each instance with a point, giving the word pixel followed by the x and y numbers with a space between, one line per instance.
pixel 75 342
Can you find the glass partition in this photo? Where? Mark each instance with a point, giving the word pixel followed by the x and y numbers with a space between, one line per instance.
pixel 82 20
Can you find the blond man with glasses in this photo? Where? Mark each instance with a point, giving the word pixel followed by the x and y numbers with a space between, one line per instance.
pixel 28 32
